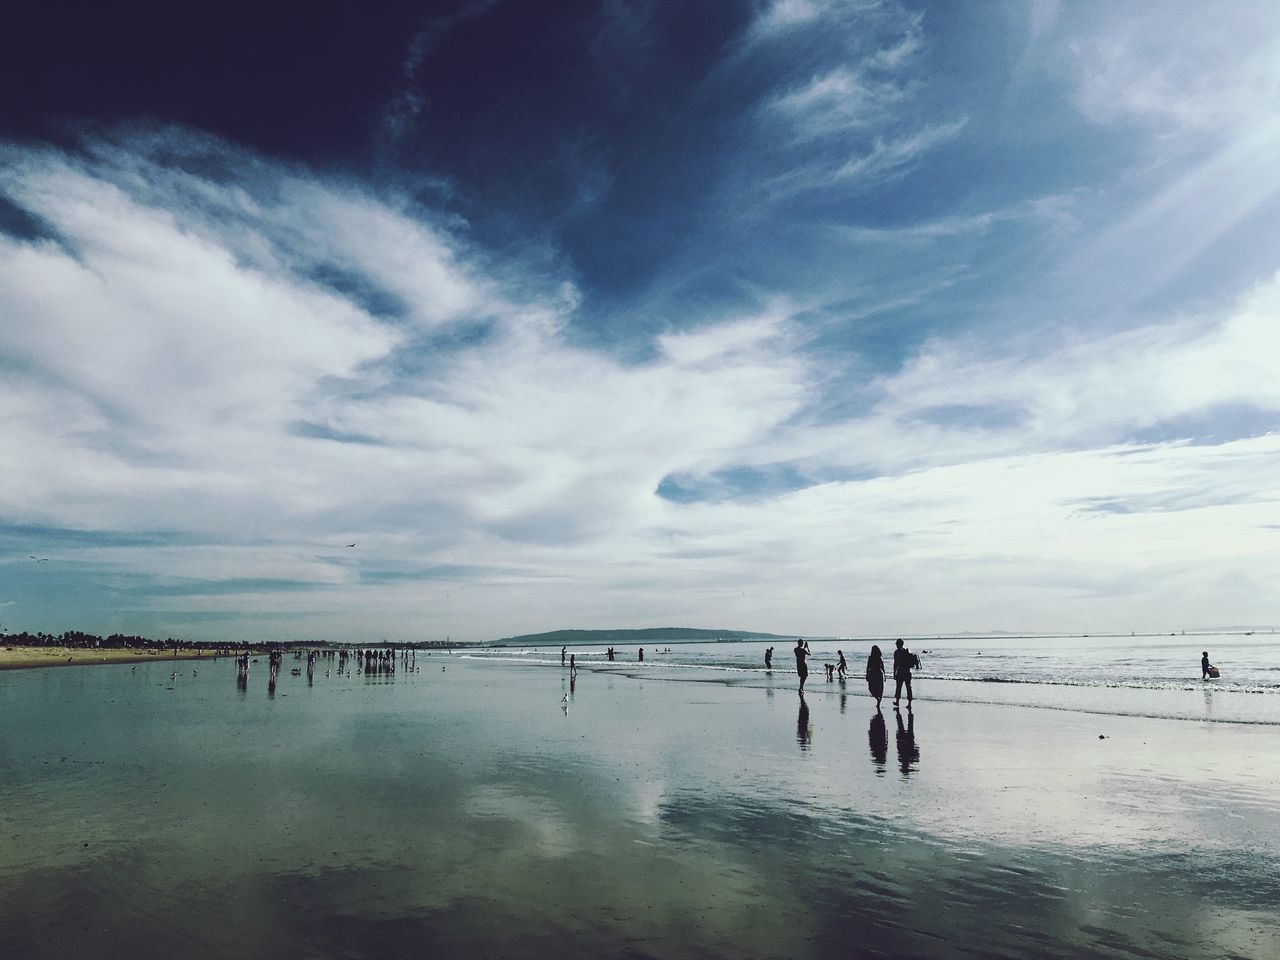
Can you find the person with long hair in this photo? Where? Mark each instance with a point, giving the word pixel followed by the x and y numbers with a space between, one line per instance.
pixel 875 674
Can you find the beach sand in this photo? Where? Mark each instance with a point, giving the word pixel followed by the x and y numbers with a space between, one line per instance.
pixel 17 657
pixel 474 811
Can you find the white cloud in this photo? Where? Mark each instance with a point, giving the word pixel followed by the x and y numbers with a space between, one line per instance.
pixel 179 365
pixel 838 101
pixel 863 83
pixel 895 156
pixel 1184 68
pixel 782 17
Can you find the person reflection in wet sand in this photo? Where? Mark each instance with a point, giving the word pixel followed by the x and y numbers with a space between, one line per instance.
pixel 878 738
pixel 908 752
pixel 804 732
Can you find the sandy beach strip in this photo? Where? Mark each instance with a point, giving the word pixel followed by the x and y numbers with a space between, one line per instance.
pixel 21 658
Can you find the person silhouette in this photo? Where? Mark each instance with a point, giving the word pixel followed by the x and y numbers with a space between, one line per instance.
pixel 768 659
pixel 902 660
pixel 875 674
pixel 908 752
pixel 802 651
pixel 841 667
pixel 878 738
pixel 1207 669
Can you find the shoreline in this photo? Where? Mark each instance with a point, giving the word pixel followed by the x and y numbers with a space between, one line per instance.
pixel 29 658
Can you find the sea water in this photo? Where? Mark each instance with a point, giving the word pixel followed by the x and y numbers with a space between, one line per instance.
pixel 1155 676
pixel 477 806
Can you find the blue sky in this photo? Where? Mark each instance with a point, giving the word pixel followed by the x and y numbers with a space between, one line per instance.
pixel 851 318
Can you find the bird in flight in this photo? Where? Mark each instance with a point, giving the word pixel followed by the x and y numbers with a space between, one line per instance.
pixel 40 559
pixel 350 544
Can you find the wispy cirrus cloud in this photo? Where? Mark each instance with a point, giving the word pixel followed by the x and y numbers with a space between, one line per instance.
pixel 887 158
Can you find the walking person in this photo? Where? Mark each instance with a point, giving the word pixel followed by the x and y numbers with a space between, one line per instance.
pixel 875 674
pixel 842 666
pixel 1207 670
pixel 802 651
pixel 903 661
pixel 573 666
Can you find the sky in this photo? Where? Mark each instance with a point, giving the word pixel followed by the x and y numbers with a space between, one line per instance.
pixel 472 319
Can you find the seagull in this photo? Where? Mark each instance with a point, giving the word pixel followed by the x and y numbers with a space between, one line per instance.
pixel 350 544
pixel 565 698
pixel 40 559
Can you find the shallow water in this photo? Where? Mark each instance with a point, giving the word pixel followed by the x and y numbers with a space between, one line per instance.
pixel 486 809
pixel 1153 676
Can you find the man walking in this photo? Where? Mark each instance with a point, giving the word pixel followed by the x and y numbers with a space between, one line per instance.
pixel 903 661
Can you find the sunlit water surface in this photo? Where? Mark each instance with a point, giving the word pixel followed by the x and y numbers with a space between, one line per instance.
pixel 486 808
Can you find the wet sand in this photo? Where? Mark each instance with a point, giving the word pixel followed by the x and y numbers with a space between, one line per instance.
pixel 474 811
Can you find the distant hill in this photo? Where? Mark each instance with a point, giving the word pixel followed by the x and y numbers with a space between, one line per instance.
pixel 569 637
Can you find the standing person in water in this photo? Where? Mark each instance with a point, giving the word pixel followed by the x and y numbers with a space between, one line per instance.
pixel 875 674
pixel 841 667
pixel 641 657
pixel 802 651
pixel 562 650
pixel 573 666
pixel 1207 669
pixel 902 662
pixel 768 659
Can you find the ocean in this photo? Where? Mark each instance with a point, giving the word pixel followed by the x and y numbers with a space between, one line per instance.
pixel 1148 676
pixel 485 804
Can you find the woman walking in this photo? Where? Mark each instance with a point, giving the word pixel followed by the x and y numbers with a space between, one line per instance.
pixel 875 674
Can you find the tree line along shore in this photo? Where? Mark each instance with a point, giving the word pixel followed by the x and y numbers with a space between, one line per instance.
pixel 76 648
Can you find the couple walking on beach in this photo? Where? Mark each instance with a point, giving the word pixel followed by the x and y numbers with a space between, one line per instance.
pixel 904 661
